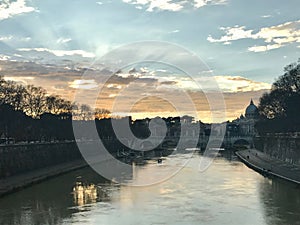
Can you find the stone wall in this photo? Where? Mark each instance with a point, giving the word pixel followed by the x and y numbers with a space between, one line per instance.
pixel 20 158
pixel 283 146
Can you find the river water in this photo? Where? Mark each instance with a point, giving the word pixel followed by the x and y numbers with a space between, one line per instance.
pixel 226 193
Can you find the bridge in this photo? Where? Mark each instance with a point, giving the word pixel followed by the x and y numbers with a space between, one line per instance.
pixel 189 142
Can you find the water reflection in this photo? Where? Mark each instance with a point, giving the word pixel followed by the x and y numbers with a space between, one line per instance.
pixel 46 203
pixel 86 194
pixel 227 193
pixel 281 201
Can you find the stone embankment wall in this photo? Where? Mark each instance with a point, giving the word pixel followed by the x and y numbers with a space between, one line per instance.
pixel 283 146
pixel 19 158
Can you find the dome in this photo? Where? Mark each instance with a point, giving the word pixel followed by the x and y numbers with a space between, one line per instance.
pixel 251 110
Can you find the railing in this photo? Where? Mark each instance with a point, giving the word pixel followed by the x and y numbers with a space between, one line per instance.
pixel 289 134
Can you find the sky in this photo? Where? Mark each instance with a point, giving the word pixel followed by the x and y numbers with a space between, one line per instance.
pixel 242 45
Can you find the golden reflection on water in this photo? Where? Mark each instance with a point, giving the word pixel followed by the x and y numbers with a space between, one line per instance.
pixel 227 193
pixel 84 194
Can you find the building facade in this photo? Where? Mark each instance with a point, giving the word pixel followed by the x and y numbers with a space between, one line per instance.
pixel 245 124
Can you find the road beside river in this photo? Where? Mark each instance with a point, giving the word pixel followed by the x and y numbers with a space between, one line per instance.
pixel 266 165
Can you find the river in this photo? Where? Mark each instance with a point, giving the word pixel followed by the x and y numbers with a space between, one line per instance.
pixel 226 193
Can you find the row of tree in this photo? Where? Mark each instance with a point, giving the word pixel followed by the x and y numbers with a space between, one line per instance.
pixel 35 101
pixel 29 113
pixel 280 108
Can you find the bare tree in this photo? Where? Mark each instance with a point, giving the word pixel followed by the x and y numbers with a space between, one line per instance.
pixel 102 113
pixel 85 112
pixel 35 101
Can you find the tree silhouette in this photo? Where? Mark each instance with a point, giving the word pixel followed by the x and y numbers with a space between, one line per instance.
pixel 35 101
pixel 102 113
pixel 279 109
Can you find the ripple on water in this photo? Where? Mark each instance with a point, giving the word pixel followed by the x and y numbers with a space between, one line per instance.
pixel 227 193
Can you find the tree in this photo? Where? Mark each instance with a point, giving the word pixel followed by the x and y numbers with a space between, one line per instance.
pixel 57 105
pixel 7 89
pixel 12 93
pixel 102 113
pixel 85 112
pixel 19 96
pixel 281 106
pixel 35 101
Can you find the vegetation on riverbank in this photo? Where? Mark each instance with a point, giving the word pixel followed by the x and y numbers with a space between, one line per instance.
pixel 279 109
pixel 30 114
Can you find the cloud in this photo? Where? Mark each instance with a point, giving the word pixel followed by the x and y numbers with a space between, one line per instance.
pixel 237 90
pixel 266 16
pixel 236 104
pixel 83 84
pixel 263 48
pixel 63 40
pixel 61 52
pixel 171 5
pixel 168 82
pixel 112 95
pixel 201 3
pixel 14 38
pixel 11 8
pixel 4 58
pixel 274 36
pixel 6 38
pixel 20 79
pixel 232 34
pixel 168 5
pixel 172 81
pixel 233 84
pixel 114 86
pixel 174 31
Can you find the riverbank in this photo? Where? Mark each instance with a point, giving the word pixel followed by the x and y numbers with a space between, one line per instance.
pixel 16 159
pixel 269 166
pixel 17 182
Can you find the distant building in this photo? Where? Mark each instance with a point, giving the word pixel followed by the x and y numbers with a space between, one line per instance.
pixel 244 125
pixel 251 111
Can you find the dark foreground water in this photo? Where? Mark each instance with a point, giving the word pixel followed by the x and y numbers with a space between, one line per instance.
pixel 227 193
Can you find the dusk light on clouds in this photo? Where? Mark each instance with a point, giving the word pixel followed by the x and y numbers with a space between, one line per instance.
pixel 244 45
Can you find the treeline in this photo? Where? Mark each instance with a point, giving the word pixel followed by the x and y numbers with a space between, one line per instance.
pixel 29 113
pixel 31 100
pixel 280 108
pixel 35 101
